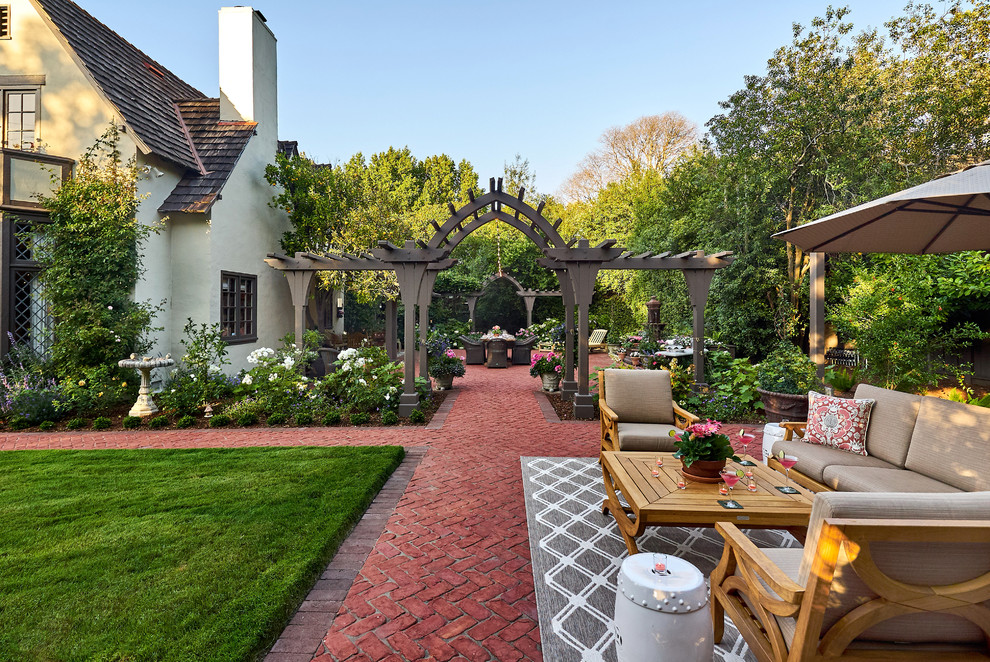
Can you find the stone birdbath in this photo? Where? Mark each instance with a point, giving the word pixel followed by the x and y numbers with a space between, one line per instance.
pixel 145 406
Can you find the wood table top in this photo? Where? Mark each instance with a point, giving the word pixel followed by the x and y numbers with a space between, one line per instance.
pixel 660 496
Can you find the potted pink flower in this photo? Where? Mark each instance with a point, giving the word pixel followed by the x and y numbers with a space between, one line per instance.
pixel 549 367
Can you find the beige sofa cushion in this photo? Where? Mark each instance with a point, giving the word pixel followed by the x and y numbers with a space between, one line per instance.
pixel 813 458
pixel 891 422
pixel 653 437
pixel 951 443
pixel 876 479
pixel 925 563
pixel 640 396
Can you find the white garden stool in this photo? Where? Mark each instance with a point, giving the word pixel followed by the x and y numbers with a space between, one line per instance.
pixel 772 433
pixel 662 615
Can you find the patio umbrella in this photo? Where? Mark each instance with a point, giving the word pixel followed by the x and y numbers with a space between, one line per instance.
pixel 945 215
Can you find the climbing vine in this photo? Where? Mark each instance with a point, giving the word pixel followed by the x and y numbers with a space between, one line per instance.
pixel 90 256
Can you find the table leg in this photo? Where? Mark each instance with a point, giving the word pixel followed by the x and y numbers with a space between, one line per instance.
pixel 628 527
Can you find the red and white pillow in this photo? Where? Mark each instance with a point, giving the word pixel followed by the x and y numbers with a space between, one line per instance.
pixel 838 422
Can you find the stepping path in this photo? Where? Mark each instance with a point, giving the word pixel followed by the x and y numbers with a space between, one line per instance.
pixel 449 576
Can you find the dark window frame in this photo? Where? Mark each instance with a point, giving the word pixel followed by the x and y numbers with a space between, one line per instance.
pixel 5 21
pixel 58 162
pixel 231 337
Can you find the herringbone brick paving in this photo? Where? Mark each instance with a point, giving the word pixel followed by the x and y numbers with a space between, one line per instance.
pixel 450 576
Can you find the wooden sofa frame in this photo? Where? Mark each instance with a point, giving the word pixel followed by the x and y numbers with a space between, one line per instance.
pixel 610 420
pixel 745 569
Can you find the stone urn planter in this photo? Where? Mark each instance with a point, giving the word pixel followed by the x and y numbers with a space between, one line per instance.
pixel 551 381
pixel 444 382
pixel 784 406
pixel 703 471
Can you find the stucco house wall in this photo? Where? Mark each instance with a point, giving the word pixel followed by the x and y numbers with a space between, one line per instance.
pixel 195 240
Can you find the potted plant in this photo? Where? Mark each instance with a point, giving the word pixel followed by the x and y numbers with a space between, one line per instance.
pixel 703 451
pixel 444 368
pixel 635 358
pixel 547 367
pixel 784 379
pixel 496 330
pixel 624 349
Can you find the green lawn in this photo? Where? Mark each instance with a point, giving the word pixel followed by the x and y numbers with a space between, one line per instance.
pixel 170 554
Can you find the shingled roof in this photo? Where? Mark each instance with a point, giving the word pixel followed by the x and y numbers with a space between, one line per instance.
pixel 142 90
pixel 219 145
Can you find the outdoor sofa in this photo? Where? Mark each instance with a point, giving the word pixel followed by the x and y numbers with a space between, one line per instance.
pixel 914 444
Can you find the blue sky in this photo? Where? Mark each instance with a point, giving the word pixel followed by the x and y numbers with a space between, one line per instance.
pixel 484 81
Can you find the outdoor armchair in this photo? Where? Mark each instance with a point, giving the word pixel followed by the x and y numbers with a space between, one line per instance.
pixel 474 351
pixel 638 410
pixel 522 351
pixel 596 341
pixel 881 576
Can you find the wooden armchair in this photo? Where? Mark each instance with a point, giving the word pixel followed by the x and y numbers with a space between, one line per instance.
pixel 638 410
pixel 887 586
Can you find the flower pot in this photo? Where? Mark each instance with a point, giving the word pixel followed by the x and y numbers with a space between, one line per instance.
pixel 703 471
pixel 784 406
pixel 636 360
pixel 551 381
pixel 444 382
pixel 621 356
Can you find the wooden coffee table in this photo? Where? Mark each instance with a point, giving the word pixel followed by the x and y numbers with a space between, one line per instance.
pixel 658 501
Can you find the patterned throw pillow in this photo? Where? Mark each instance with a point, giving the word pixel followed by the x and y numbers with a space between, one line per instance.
pixel 838 422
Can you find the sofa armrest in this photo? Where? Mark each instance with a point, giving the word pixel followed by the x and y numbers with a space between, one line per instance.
pixel 752 557
pixel 793 427
pixel 683 418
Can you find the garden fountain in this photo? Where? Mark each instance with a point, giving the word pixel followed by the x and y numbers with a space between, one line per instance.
pixel 145 406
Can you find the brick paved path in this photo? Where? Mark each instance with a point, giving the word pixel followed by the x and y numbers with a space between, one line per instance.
pixel 450 576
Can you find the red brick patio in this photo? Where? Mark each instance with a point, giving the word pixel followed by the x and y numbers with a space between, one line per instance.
pixel 450 576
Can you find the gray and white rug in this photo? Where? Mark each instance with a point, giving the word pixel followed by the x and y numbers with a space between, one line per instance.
pixel 577 552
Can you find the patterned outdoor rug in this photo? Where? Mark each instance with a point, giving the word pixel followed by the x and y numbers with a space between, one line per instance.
pixel 577 552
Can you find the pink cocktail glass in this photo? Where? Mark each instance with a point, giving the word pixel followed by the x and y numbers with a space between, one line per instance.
pixel 746 438
pixel 730 478
pixel 787 462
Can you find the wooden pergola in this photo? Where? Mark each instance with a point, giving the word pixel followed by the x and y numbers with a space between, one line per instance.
pixel 528 296
pixel 576 264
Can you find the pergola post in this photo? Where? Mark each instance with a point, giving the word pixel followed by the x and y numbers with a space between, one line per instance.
pixel 568 386
pixel 410 275
pixel 698 282
pixel 391 328
pixel 816 331
pixel 583 275
pixel 530 301
pixel 425 296
pixel 472 301
pixel 299 284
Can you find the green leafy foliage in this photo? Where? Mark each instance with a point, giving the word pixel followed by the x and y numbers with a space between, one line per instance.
pixel 102 423
pixel 390 418
pixel 219 421
pixel 417 417
pixel 332 418
pixel 76 424
pixel 186 421
pixel 46 426
pixel 360 418
pixel 91 261
pixel 247 419
pixel 364 381
pixel 303 418
pixel 787 370
pixel 131 422
pixel 840 378
pixel 158 422
pixel 276 419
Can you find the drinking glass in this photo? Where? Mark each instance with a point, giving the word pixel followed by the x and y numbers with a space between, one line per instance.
pixel 746 438
pixel 730 478
pixel 788 461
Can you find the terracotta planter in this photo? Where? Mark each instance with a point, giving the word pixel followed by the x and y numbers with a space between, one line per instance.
pixel 621 356
pixel 636 360
pixel 444 383
pixel 784 406
pixel 551 381
pixel 704 471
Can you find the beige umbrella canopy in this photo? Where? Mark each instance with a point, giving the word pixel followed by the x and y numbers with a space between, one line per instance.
pixel 945 215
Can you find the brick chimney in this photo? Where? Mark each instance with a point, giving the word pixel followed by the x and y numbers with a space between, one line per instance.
pixel 248 68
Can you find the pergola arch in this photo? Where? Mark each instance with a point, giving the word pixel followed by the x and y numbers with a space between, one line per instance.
pixel 576 263
pixel 527 295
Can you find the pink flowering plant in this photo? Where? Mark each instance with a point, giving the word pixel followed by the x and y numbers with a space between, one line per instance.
pixel 548 363
pixel 703 442
pixel 524 334
pixel 447 363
